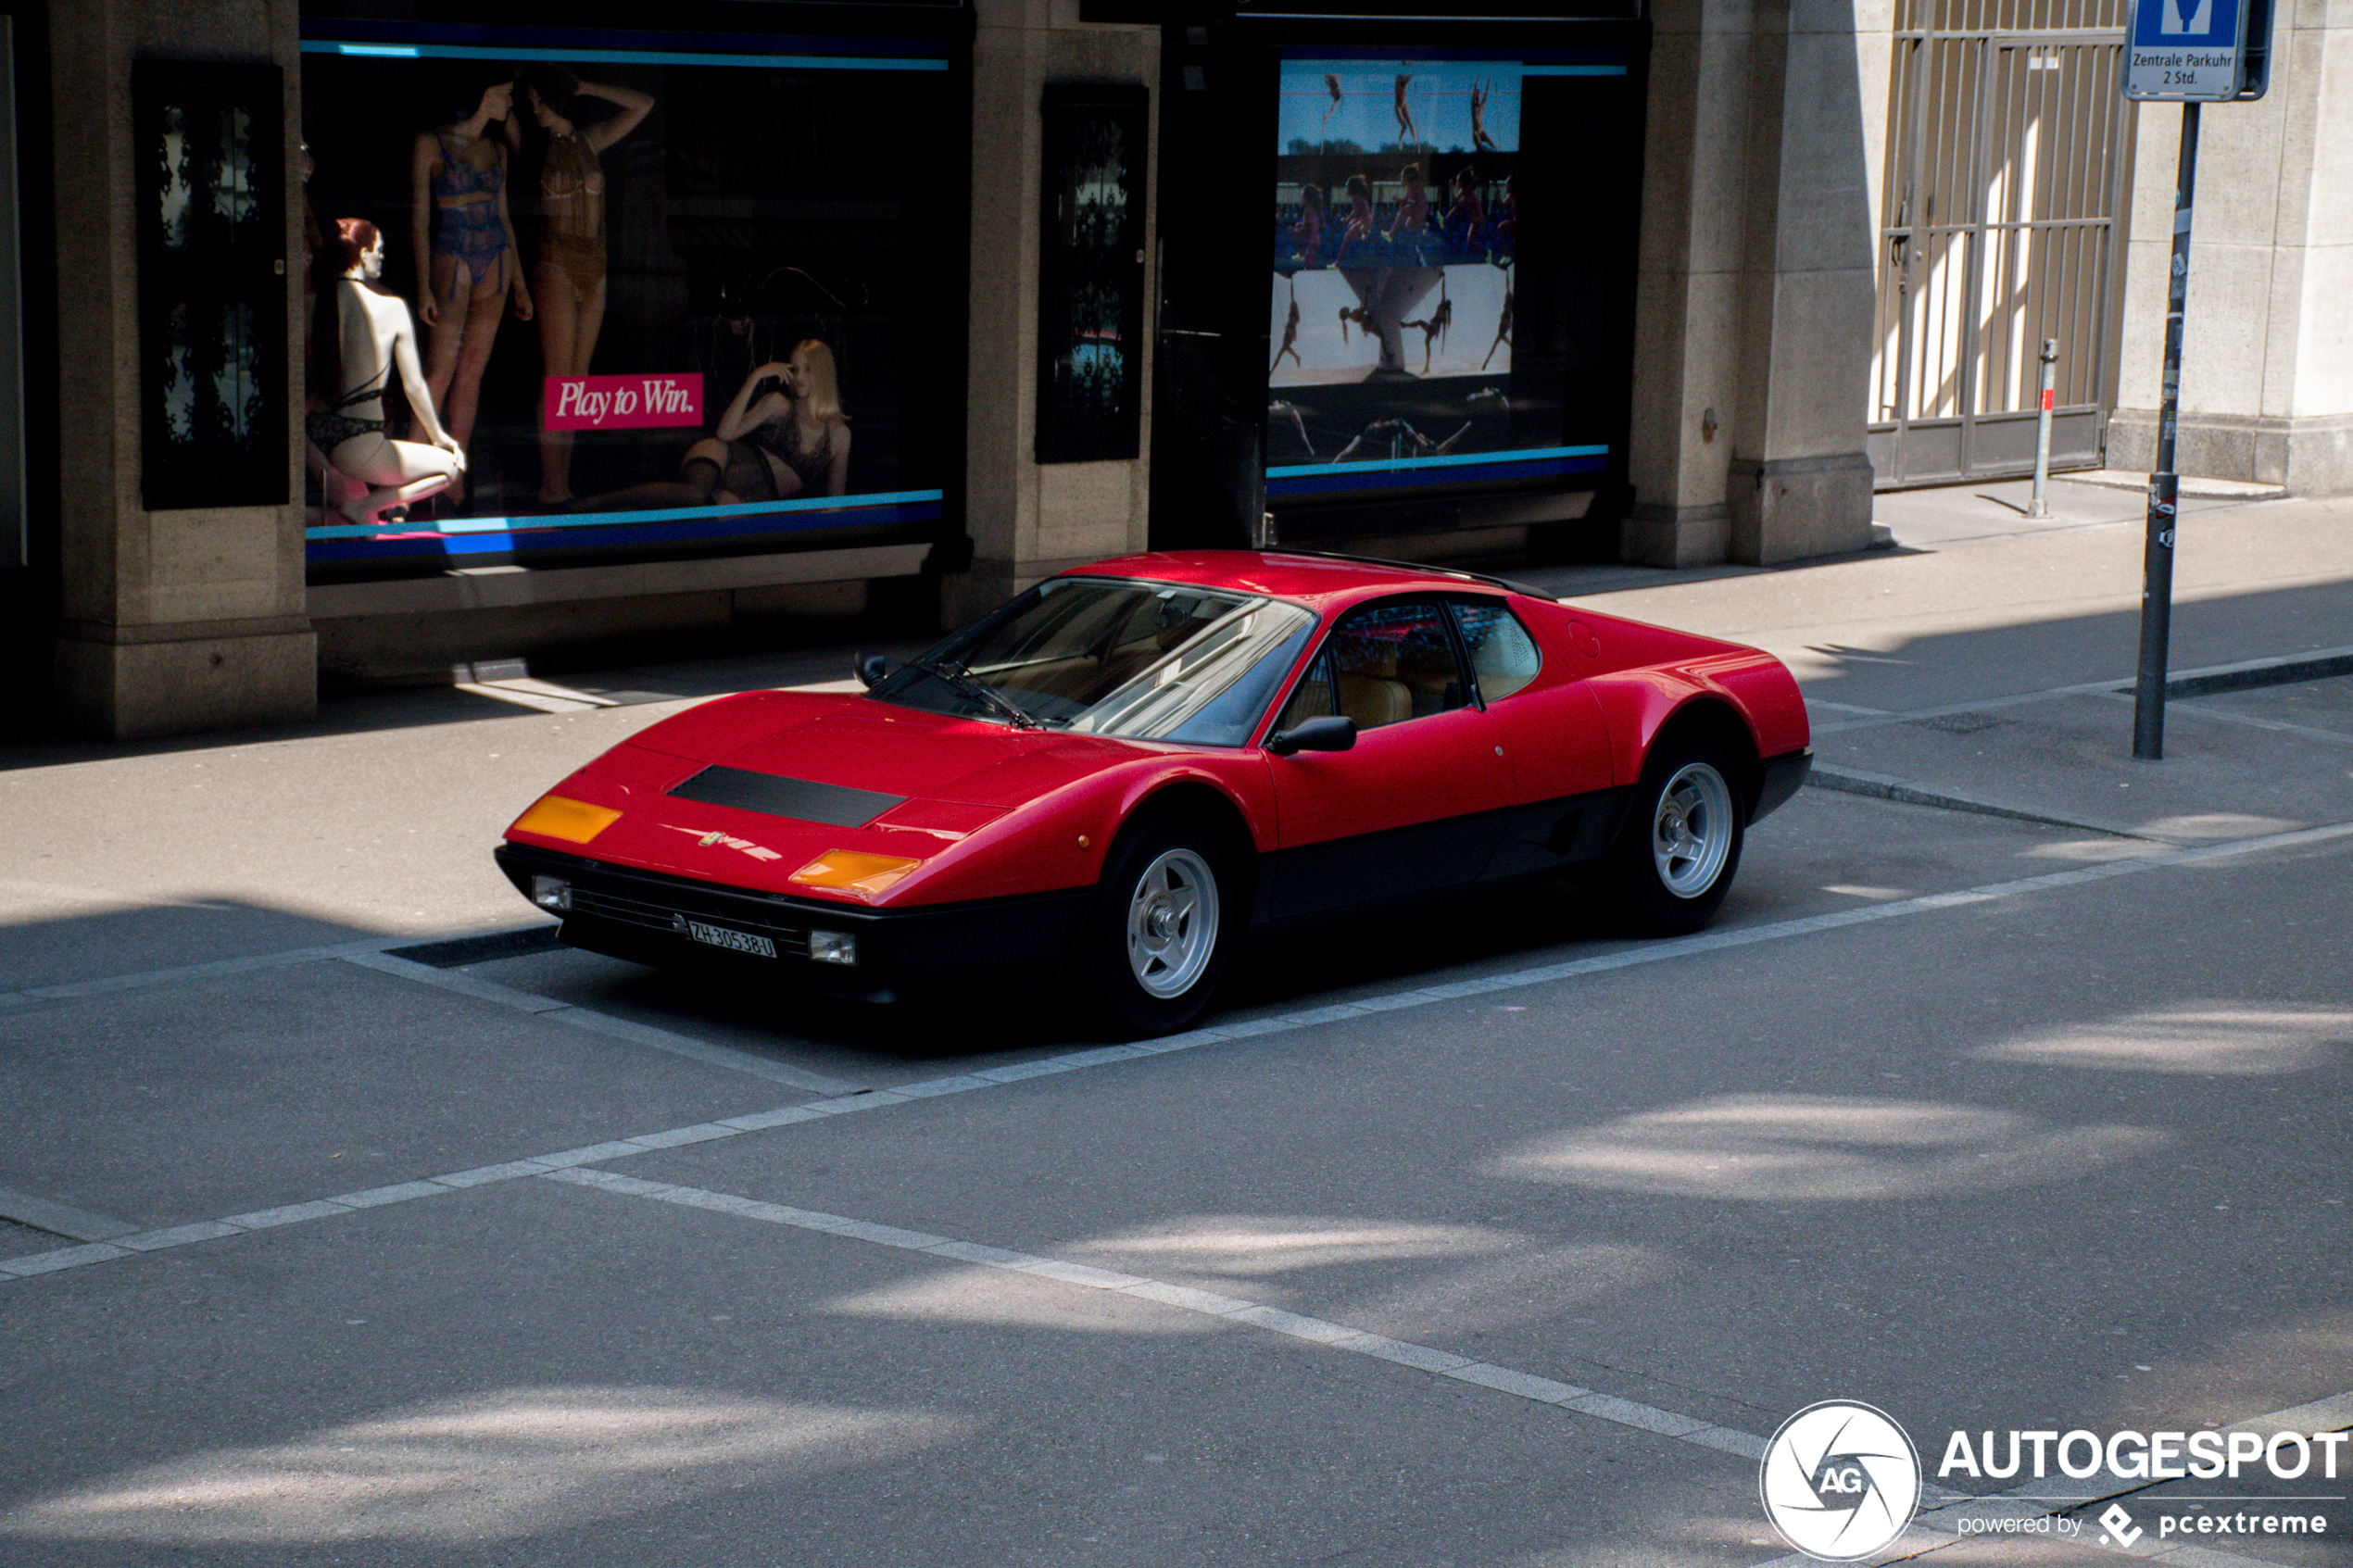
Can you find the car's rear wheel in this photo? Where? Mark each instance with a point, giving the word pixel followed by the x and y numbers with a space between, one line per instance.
pixel 1675 858
pixel 1164 924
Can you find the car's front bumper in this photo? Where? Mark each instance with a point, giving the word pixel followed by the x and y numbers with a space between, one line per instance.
pixel 647 917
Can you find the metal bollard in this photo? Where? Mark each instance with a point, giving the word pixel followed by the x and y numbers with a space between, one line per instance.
pixel 2040 506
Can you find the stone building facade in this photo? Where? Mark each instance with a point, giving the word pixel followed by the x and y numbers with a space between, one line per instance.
pixel 1699 376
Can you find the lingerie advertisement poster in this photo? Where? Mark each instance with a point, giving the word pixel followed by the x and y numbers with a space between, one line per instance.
pixel 1410 239
pixel 572 296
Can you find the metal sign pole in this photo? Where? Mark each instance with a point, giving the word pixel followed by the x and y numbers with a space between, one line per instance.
pixel 2041 506
pixel 2156 568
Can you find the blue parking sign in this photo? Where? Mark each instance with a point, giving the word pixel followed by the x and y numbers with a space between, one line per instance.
pixel 2195 50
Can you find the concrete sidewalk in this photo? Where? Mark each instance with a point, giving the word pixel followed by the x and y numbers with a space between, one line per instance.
pixel 1974 663
pixel 1985 660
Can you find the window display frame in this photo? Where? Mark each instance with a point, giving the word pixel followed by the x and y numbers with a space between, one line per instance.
pixel 210 221
pixel 1090 280
pixel 897 375
pixel 1541 436
pixel 1223 460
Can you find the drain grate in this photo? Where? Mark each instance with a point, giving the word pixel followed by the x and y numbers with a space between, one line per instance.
pixel 1961 723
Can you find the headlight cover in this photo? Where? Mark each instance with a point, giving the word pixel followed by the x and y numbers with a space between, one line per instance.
pixel 555 816
pixel 856 871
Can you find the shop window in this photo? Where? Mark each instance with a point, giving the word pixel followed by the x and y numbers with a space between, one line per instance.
pixel 14 544
pixel 1452 266
pixel 669 294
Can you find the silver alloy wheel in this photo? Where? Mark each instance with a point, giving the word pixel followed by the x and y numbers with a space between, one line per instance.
pixel 1172 924
pixel 1692 832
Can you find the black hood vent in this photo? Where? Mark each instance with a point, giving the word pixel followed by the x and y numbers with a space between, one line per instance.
pixel 776 796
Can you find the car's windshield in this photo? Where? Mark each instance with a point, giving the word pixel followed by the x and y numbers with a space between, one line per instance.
pixel 1141 660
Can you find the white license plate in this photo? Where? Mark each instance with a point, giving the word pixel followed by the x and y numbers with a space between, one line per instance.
pixel 720 936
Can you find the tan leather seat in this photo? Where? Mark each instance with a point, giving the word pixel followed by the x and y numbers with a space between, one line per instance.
pixel 1375 700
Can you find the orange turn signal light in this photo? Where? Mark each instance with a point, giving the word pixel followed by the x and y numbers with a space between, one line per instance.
pixel 554 816
pixel 870 874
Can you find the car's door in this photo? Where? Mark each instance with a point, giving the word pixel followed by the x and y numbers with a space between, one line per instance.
pixel 1552 734
pixel 1416 804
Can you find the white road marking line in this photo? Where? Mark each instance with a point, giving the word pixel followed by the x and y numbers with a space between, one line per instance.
pixel 603 1024
pixel 376 953
pixel 1944 1505
pixel 346 1203
pixel 141 979
pixel 962 1082
pixel 1273 1320
pixel 2331 1415
pixel 372 954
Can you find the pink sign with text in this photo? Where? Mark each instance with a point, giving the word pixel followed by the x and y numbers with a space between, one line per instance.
pixel 622 402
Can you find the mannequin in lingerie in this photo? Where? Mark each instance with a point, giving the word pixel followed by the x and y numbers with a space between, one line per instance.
pixel 568 278
pixel 465 250
pixel 365 334
pixel 783 435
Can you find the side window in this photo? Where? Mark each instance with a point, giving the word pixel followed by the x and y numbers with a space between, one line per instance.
pixel 1313 696
pixel 1503 657
pixel 1392 661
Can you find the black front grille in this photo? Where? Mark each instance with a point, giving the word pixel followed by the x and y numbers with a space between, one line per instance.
pixel 664 911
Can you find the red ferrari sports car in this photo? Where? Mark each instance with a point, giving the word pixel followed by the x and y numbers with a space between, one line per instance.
pixel 1131 764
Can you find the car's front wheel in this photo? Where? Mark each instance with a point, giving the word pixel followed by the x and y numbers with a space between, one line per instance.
pixel 1674 858
pixel 1164 924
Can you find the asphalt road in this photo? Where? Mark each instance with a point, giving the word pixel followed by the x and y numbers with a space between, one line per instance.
pixel 1488 1236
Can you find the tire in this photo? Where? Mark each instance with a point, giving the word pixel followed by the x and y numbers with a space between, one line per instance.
pixel 1675 857
pixel 1165 922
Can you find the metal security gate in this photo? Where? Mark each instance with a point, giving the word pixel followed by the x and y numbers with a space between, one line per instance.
pixel 2004 165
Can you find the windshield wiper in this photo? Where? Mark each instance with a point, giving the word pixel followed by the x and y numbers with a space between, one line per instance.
pixel 973 686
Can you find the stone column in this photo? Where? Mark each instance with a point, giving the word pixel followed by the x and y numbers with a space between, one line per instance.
pixel 1755 296
pixel 2266 350
pixel 1687 289
pixel 1027 519
pixel 1799 482
pixel 172 621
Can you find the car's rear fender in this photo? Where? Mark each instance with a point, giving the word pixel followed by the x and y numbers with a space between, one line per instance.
pixel 1709 721
pixel 1644 706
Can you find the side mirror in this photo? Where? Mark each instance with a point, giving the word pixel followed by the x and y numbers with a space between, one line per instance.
pixel 870 668
pixel 1325 732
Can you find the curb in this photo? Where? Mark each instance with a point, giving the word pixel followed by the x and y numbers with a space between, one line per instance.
pixel 1880 788
pixel 2258 673
pixel 481 948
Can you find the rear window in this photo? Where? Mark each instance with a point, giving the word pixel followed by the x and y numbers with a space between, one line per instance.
pixel 1503 657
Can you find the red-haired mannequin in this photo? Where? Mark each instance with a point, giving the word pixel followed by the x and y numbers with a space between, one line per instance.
pixel 357 347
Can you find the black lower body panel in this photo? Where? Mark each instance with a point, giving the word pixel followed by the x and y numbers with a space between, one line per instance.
pixel 649 918
pixel 1518 844
pixel 1781 777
